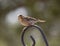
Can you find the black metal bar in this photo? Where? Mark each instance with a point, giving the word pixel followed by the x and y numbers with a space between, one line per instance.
pixel 43 35
pixel 33 41
pixel 22 36
pixel 41 31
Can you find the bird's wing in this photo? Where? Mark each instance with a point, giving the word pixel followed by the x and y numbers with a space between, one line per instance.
pixel 30 19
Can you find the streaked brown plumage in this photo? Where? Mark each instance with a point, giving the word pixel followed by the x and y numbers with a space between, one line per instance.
pixel 27 21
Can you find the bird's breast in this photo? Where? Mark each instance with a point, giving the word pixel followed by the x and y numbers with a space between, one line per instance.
pixel 24 23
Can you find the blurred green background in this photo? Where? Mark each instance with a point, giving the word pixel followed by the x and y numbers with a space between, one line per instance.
pixel 10 29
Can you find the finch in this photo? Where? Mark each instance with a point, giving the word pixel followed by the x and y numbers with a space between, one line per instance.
pixel 27 21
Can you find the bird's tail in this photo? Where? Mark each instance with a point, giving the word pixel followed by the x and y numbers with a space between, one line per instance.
pixel 41 20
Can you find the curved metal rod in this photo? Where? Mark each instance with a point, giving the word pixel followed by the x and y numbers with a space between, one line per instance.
pixel 41 31
pixel 33 41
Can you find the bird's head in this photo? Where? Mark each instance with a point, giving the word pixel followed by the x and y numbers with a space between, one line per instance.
pixel 20 17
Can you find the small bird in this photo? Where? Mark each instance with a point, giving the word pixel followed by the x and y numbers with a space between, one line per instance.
pixel 27 21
